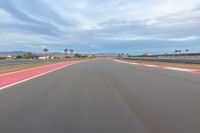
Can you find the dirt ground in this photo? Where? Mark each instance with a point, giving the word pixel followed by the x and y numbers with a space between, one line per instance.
pixel 179 65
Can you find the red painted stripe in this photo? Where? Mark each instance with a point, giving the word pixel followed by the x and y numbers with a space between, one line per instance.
pixel 11 78
pixel 197 71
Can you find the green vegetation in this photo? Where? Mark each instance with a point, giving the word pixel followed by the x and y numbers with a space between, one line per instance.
pixel 71 50
pixel 19 57
pixel 80 56
pixel 45 50
pixel 66 50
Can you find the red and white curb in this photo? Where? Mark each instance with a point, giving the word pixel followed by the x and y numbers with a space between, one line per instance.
pixel 13 78
pixel 161 67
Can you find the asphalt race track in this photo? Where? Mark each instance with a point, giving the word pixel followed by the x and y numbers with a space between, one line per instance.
pixel 103 96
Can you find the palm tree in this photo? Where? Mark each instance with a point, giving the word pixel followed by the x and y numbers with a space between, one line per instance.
pixel 187 50
pixel 175 52
pixel 66 50
pixel 71 50
pixel 45 50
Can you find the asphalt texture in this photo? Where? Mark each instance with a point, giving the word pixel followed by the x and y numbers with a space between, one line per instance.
pixel 103 96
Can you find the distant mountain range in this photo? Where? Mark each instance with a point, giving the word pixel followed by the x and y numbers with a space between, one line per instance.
pixel 23 52
pixel 106 54
pixel 13 53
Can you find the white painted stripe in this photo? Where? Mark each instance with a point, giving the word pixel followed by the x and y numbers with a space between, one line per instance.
pixel 178 69
pixel 135 63
pixel 150 65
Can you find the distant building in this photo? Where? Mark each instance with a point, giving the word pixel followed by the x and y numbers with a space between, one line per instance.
pixel 50 57
pixel 10 57
pixel 44 57
pixel 58 56
pixel 30 55
pixel 147 54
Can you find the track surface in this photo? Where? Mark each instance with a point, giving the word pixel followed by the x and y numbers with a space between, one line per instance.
pixel 103 96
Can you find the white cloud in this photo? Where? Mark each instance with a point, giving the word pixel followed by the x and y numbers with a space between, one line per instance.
pixel 168 7
pixel 155 38
pixel 6 17
pixel 66 22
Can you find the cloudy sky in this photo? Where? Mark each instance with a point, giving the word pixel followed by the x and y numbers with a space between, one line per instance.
pixel 93 26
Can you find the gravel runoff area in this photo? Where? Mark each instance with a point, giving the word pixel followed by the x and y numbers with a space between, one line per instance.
pixel 170 64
